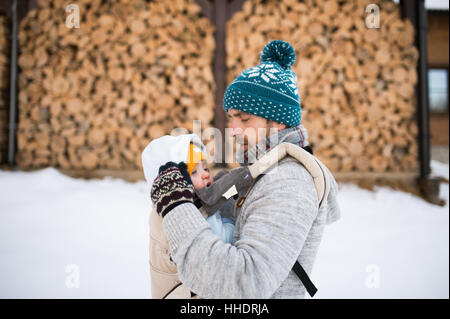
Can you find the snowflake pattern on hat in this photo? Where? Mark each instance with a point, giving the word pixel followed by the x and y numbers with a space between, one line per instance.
pixel 265 71
pixel 271 73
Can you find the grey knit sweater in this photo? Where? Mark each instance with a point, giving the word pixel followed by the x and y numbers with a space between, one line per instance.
pixel 278 223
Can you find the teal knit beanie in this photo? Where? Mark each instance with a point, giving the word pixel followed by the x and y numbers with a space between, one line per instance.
pixel 270 89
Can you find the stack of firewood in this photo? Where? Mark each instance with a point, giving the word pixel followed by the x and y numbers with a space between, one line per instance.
pixel 4 86
pixel 356 83
pixel 94 96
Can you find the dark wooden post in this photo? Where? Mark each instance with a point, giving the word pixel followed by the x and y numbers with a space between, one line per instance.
pixel 13 85
pixel 220 11
pixel 220 20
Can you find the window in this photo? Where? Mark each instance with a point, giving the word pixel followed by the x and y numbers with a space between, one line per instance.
pixel 438 90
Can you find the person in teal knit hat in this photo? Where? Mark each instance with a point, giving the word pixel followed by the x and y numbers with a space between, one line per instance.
pixel 279 220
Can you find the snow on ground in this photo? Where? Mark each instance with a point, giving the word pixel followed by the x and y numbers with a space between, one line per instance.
pixel 71 238
pixel 388 244
pixel 49 221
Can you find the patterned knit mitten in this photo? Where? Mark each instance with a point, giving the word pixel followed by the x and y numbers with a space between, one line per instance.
pixel 172 187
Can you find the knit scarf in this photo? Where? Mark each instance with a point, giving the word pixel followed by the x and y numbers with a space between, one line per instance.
pixel 295 135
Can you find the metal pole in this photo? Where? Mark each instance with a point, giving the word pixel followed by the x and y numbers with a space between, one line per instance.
pixel 13 87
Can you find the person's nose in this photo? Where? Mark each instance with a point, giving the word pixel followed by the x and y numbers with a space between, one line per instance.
pixel 205 175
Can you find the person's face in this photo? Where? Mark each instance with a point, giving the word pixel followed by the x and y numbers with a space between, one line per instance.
pixel 200 175
pixel 244 127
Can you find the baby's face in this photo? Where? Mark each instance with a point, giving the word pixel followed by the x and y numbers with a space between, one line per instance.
pixel 200 176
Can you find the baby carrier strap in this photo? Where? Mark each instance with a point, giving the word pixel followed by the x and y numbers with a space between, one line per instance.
pixel 304 157
pixel 180 291
pixel 298 269
pixel 321 182
pixel 304 278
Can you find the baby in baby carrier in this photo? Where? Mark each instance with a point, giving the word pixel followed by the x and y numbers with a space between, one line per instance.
pixel 181 150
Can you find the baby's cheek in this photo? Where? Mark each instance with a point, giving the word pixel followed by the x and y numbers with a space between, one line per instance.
pixel 195 182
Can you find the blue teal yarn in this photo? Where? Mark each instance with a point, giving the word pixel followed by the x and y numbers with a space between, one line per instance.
pixel 270 89
pixel 280 52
